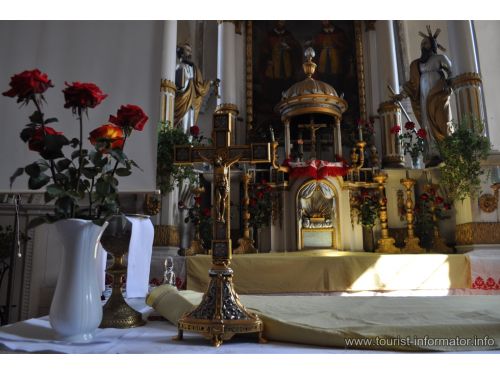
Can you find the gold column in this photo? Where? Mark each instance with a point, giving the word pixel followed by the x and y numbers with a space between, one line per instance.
pixel 467 88
pixel 246 243
pixel 385 243
pixel 392 152
pixel 412 243
pixel 196 244
pixel 438 244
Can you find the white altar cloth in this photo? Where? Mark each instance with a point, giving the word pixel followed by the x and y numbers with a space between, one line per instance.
pixel 36 336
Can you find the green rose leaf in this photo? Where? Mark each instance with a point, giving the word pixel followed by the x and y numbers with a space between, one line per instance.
pixel 33 170
pixel 123 172
pixel 35 183
pixel 63 164
pixel 17 173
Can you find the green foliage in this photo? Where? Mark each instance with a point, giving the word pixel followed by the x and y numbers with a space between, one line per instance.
pixel 462 153
pixel 168 174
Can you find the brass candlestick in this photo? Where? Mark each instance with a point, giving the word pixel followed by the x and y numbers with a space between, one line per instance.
pixel 438 244
pixel 412 243
pixel 196 246
pixel 246 243
pixel 385 243
pixel 115 240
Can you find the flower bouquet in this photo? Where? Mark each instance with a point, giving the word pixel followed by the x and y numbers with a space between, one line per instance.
pixel 82 182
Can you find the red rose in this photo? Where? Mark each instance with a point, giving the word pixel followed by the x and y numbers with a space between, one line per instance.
pixel 130 116
pixel 424 197
pixel 37 140
pixel 410 125
pixel 194 131
pixel 82 95
pixel 447 206
pixel 421 133
pixel 438 200
pixel 28 83
pixel 108 134
pixel 197 200
pixel 207 212
pixel 395 129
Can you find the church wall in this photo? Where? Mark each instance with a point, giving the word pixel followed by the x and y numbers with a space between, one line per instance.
pixel 489 55
pixel 121 57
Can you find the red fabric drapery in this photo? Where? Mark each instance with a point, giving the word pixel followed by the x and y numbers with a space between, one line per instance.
pixel 317 169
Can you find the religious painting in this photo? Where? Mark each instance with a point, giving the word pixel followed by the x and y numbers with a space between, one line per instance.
pixel 275 54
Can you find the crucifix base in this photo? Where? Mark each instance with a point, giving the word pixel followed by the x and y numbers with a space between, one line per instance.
pixel 220 315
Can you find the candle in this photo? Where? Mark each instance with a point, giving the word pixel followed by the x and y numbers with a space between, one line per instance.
pixel 427 177
pixel 360 130
pixel 407 174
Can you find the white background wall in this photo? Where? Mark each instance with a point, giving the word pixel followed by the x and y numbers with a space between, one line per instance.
pixel 488 47
pixel 121 57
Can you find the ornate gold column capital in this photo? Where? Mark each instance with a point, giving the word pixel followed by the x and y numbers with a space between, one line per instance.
pixel 467 79
pixel 388 107
pixel 167 86
pixel 227 108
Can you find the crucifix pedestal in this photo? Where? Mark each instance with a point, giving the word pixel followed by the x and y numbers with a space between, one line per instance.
pixel 220 314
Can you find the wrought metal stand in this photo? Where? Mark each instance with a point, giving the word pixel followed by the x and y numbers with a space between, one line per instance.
pixel 385 243
pixel 412 243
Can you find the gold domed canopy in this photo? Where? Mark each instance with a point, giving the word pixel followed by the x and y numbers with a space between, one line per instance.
pixel 311 96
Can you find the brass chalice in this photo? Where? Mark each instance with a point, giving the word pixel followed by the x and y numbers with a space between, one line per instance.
pixel 115 240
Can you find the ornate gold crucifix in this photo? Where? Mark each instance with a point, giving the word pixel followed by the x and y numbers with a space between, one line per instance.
pixel 220 314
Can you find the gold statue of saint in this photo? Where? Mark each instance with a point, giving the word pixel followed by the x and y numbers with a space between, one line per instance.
pixel 429 91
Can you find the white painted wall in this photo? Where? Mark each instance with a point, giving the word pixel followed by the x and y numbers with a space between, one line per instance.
pixel 121 57
pixel 488 48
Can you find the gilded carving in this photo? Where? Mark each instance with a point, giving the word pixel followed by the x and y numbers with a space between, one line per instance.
pixel 477 233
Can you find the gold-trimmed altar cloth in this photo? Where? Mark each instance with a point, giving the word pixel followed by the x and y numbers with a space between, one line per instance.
pixel 334 271
pixel 451 323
